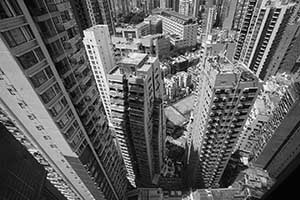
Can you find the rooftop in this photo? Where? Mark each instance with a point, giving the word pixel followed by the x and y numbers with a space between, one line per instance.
pixel 134 58
pixel 179 112
pixel 174 116
pixel 178 17
pixel 144 68
pixel 185 105
pixel 96 27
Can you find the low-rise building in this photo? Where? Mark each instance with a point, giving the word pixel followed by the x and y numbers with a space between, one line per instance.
pixel 181 29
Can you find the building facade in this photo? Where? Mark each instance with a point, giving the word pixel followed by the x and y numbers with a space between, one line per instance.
pixel 89 13
pixel 224 98
pixel 21 175
pixel 136 89
pixel 48 89
pixel 100 54
pixel 181 29
pixel 239 14
pixel 271 93
pixel 263 28
pixel 279 142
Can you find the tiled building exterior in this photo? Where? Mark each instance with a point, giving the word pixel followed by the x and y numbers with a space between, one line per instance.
pixel 48 88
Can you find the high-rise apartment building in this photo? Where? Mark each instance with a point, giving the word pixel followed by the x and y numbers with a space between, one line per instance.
pixel 136 90
pixel 228 14
pixel 224 98
pixel 196 7
pixel 174 4
pixel 48 90
pixel 100 54
pixel 22 177
pixel 286 55
pixel 120 7
pixel 279 142
pixel 266 102
pixel 89 13
pixel 240 12
pixel 182 30
pixel 185 7
pixel 263 28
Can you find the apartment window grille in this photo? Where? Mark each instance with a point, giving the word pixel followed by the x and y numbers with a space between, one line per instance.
pixel 9 8
pixel 18 36
pixel 50 93
pixel 31 58
pixel 56 109
pixel 64 121
pixel 70 132
pixel 41 77
pixel 39 53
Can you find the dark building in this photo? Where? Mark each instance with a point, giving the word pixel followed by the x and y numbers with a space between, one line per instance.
pixel 267 30
pixel 279 146
pixel 22 177
pixel 221 107
pixel 89 13
pixel 47 66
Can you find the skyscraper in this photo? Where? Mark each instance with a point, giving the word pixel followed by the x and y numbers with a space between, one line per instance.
pixel 268 99
pixel 119 7
pixel 185 7
pixel 240 12
pixel 278 144
pixel 224 99
pixel 100 54
pixel 48 90
pixel 286 55
pixel 263 28
pixel 136 91
pixel 174 4
pixel 89 13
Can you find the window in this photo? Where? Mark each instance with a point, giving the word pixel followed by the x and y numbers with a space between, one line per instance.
pixel 76 125
pixel 38 79
pixel 9 8
pixel 57 88
pixel 69 133
pixel 70 114
pixel 14 37
pixel 65 16
pixel 41 77
pixel 64 101
pixel 63 122
pixel 28 59
pixel 17 36
pixel 31 58
pixel 56 109
pixel 39 53
pixel 48 95
pixel 62 66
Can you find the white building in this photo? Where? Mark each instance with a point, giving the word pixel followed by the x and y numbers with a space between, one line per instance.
pixel 186 7
pixel 99 50
pixel 181 29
